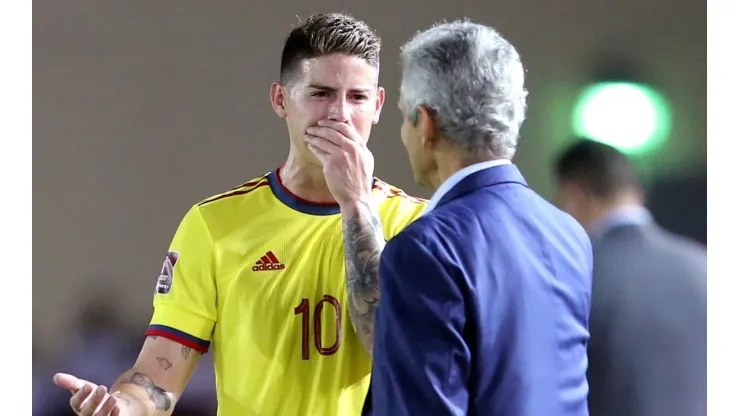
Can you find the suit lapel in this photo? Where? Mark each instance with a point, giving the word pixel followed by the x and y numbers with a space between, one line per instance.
pixel 492 176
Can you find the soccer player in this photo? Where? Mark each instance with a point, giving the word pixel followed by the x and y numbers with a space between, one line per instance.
pixel 270 274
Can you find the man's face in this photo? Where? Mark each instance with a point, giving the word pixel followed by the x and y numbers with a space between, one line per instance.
pixel 336 87
pixel 413 137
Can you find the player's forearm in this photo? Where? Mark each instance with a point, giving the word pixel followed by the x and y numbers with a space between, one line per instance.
pixel 363 243
pixel 137 395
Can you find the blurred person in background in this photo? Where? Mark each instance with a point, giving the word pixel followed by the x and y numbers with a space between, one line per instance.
pixel 101 348
pixel 485 298
pixel 647 353
pixel 267 270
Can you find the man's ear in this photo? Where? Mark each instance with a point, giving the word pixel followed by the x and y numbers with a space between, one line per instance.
pixel 423 120
pixel 379 101
pixel 277 99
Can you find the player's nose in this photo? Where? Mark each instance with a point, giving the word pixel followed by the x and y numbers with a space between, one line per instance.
pixel 339 111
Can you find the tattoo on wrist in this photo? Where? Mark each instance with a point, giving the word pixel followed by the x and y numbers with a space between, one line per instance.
pixel 363 241
pixel 157 395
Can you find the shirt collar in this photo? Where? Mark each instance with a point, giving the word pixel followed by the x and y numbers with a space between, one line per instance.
pixel 458 176
pixel 624 215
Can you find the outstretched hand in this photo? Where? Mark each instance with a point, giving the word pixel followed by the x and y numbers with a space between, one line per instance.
pixel 88 399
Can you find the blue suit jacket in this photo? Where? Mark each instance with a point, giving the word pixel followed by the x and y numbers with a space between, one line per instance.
pixel 484 307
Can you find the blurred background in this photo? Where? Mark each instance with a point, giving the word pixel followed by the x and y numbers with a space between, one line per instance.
pixel 143 108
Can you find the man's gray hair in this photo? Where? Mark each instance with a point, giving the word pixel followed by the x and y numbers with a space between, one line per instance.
pixel 472 80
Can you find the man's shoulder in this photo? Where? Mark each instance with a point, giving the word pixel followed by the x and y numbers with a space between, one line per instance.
pixel 397 209
pixel 681 244
pixel 679 250
pixel 648 243
pixel 428 229
pixel 233 194
pixel 228 209
pixel 393 194
pixel 503 211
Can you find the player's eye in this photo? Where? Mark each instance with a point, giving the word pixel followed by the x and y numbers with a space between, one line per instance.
pixel 359 97
pixel 320 94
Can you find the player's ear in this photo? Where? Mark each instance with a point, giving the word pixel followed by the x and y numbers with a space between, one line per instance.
pixel 379 101
pixel 277 98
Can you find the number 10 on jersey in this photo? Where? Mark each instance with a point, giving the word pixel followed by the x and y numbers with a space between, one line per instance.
pixel 304 309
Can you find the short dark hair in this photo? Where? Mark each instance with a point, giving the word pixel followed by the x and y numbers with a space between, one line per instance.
pixel 326 34
pixel 598 168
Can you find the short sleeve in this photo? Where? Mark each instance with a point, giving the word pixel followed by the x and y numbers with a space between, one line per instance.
pixel 185 295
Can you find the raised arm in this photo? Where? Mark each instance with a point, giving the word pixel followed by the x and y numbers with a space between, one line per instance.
pixel 348 165
pixel 363 243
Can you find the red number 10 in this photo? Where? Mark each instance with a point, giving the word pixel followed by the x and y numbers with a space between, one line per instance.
pixel 304 309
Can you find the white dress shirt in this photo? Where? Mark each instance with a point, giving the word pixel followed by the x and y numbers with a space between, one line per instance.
pixel 459 176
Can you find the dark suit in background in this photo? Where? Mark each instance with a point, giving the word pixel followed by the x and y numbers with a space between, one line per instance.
pixel 647 352
pixel 484 306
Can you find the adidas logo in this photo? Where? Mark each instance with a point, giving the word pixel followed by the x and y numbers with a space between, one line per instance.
pixel 268 262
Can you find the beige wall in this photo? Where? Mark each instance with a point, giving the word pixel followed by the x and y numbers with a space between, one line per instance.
pixel 142 108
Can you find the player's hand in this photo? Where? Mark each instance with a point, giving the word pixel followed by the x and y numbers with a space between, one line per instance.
pixel 88 399
pixel 348 163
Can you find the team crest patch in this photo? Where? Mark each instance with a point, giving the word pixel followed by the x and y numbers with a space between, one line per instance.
pixel 164 282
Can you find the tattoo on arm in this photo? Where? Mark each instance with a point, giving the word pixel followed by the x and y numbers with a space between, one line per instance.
pixel 164 363
pixel 185 352
pixel 363 243
pixel 160 398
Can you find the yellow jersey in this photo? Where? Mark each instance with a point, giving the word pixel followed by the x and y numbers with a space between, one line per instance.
pixel 257 275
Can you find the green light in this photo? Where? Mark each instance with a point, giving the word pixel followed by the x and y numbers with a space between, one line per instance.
pixel 628 116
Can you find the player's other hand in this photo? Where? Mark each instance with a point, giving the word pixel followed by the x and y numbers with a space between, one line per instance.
pixel 88 399
pixel 347 162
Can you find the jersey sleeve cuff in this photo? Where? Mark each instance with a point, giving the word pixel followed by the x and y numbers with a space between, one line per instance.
pixel 178 336
pixel 181 325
